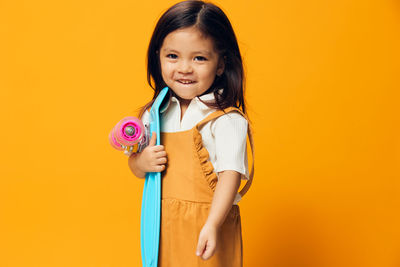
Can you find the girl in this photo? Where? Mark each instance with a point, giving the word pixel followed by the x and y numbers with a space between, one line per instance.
pixel 194 52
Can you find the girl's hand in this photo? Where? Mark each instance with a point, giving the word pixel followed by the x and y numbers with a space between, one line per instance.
pixel 208 241
pixel 152 159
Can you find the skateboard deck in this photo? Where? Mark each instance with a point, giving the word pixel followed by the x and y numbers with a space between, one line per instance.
pixel 151 200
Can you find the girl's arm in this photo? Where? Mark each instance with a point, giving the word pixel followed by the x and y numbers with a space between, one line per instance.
pixel 224 195
pixel 135 167
pixel 152 159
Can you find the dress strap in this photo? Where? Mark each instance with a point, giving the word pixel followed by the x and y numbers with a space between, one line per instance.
pixel 219 113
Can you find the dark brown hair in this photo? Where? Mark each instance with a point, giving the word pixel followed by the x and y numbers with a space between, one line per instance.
pixel 213 23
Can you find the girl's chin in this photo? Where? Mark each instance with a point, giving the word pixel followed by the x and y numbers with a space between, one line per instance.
pixel 185 98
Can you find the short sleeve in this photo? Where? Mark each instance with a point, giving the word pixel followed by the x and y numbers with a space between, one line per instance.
pixel 230 133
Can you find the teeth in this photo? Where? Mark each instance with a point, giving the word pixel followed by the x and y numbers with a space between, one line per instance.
pixel 186 82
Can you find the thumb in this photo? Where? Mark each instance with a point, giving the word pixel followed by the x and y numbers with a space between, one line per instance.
pixel 200 247
pixel 153 139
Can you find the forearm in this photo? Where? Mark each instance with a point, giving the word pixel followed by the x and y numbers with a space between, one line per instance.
pixel 224 195
pixel 133 166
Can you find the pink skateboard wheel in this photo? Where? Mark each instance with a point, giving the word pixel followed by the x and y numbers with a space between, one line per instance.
pixel 128 132
pixel 113 141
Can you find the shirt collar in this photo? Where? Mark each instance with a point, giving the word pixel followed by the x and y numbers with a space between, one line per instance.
pixel 207 98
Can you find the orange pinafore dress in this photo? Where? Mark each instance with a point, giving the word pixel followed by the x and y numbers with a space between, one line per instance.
pixel 188 185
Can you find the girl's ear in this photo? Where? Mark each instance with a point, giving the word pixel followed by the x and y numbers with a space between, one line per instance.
pixel 221 66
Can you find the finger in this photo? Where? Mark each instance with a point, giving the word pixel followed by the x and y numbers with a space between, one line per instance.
pixel 160 168
pixel 209 251
pixel 161 161
pixel 200 247
pixel 159 148
pixel 153 139
pixel 161 154
pixel 157 168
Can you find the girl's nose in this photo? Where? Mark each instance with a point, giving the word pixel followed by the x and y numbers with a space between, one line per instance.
pixel 185 67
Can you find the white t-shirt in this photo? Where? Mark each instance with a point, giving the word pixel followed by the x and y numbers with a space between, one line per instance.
pixel 224 137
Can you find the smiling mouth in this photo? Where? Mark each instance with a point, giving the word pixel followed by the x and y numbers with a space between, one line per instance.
pixel 185 81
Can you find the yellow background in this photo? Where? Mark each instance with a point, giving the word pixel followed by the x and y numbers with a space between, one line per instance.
pixel 322 89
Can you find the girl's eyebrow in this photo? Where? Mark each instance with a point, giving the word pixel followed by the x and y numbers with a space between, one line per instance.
pixel 206 52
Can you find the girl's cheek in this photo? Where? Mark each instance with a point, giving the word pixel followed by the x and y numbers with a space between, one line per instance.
pixel 168 66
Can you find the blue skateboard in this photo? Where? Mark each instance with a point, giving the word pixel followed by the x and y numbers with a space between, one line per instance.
pixel 151 200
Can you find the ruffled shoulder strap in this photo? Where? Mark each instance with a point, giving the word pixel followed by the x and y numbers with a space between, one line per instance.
pixel 219 113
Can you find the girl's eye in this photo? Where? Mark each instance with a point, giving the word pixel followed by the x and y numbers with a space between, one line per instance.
pixel 172 56
pixel 200 58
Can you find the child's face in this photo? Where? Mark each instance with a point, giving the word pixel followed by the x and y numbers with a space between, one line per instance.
pixel 189 62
